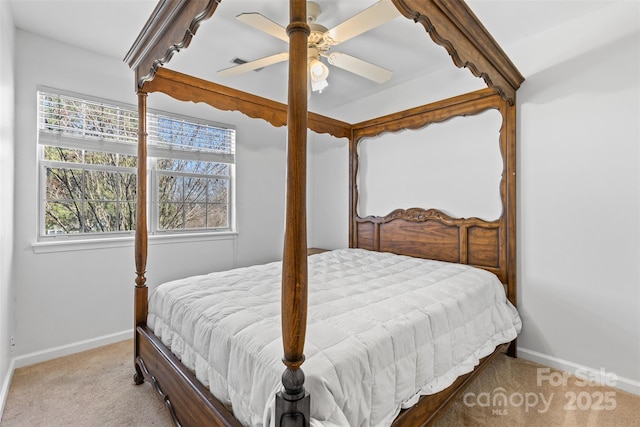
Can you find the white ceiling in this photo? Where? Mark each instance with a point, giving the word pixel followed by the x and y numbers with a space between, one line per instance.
pixel 110 27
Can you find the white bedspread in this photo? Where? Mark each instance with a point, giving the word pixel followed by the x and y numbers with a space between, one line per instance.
pixel 382 330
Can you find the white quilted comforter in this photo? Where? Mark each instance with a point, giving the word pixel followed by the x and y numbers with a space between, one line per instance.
pixel 382 330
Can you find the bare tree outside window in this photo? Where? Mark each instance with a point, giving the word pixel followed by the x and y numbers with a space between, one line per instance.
pixel 89 167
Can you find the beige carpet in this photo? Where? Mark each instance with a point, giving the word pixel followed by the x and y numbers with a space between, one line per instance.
pixel 95 388
pixel 507 394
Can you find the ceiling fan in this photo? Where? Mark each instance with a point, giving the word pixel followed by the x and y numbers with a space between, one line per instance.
pixel 321 40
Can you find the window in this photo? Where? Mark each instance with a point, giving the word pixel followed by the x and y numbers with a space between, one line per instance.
pixel 88 149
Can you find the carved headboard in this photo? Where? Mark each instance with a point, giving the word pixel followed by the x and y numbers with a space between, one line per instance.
pixel 430 233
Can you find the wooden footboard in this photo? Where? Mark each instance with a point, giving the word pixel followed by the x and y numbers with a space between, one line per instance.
pixel 430 408
pixel 492 246
pixel 415 232
pixel 192 404
pixel 188 401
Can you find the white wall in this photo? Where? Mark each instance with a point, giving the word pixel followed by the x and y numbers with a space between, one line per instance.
pixel 578 190
pixel 579 197
pixel 425 166
pixel 327 192
pixel 66 297
pixel 7 141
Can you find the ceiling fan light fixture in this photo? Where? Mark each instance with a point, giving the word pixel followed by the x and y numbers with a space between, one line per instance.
pixel 319 43
pixel 318 73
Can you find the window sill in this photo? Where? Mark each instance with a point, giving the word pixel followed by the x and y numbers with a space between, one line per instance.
pixel 66 245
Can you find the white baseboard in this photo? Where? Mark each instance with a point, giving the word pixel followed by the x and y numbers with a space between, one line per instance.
pixel 4 392
pixel 54 353
pixel 66 350
pixel 621 383
pixel 599 375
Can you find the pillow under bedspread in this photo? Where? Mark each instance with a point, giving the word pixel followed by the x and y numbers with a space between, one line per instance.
pixel 382 330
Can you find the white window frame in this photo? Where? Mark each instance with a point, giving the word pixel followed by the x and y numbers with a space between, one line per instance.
pixel 46 242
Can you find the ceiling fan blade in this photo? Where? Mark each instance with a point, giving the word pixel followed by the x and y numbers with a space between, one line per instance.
pixel 373 16
pixel 253 65
pixel 264 24
pixel 359 67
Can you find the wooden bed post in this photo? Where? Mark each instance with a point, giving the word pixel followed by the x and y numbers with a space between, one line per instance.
pixel 293 403
pixel 511 120
pixel 140 246
pixel 450 24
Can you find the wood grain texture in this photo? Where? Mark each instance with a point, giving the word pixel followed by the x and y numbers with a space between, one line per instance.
pixel 141 236
pixel 168 30
pixel 190 403
pixel 294 261
pixel 430 233
pixel 293 403
pixel 420 232
pixel 429 408
pixel 187 88
pixel 452 25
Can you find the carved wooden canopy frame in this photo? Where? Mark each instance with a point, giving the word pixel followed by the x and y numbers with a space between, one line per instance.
pixel 452 25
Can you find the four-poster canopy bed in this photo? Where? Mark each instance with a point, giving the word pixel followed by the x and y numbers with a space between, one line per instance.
pixel 417 233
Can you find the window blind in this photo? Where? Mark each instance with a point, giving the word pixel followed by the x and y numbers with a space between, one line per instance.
pixel 65 120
